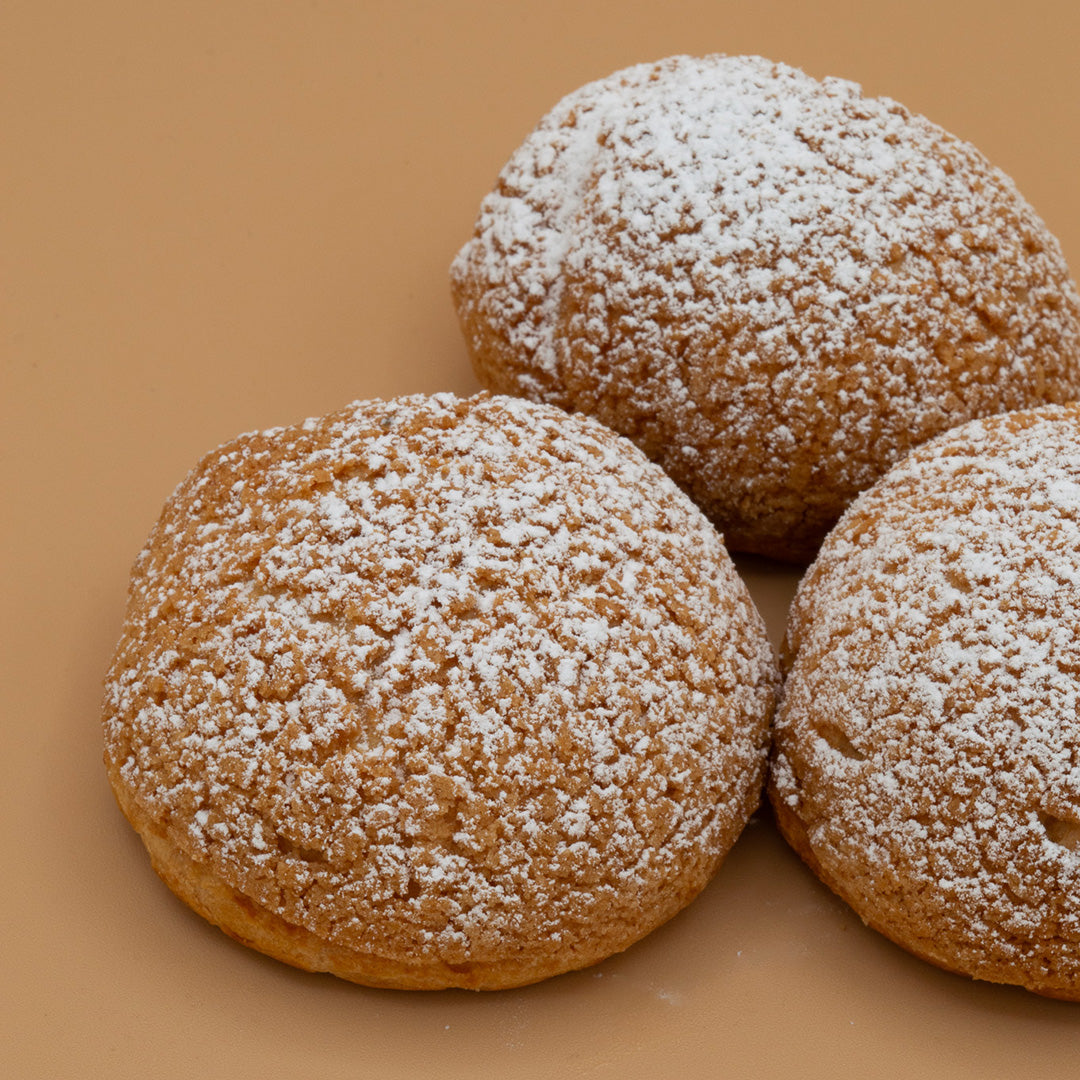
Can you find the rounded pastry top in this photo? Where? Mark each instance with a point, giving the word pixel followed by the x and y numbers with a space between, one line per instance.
pixel 467 682
pixel 776 286
pixel 927 752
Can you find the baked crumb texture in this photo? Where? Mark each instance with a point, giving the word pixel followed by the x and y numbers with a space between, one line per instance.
pixel 927 750
pixel 775 286
pixel 437 692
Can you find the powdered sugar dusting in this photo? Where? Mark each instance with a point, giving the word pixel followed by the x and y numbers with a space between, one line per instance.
pixel 774 285
pixel 929 739
pixel 441 678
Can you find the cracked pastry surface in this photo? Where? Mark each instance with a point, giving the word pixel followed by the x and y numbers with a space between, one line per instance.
pixel 776 286
pixel 927 749
pixel 437 692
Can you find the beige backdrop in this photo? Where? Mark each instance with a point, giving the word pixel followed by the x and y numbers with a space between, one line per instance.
pixel 218 216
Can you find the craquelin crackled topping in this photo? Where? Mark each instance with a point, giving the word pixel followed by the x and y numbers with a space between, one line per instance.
pixel 929 738
pixel 446 678
pixel 776 286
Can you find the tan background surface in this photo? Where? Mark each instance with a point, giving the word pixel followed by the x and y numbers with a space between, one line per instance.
pixel 222 216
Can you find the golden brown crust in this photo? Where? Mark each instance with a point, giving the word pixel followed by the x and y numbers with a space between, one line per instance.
pixel 435 692
pixel 794 832
pixel 255 926
pixel 775 286
pixel 924 752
